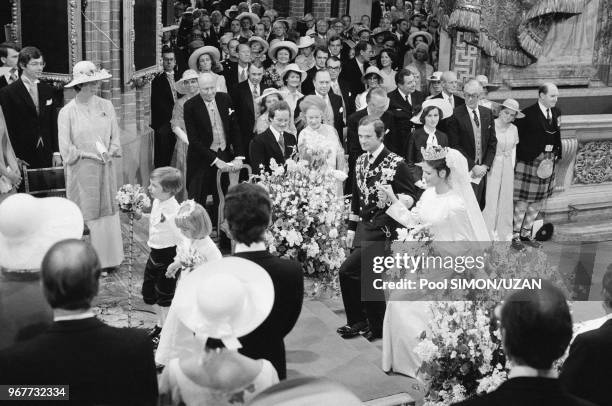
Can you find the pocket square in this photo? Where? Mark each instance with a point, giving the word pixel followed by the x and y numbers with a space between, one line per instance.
pixel 231 111
pixel 387 132
pixel 49 102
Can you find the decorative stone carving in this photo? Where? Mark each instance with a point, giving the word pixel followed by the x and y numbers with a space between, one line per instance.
pixel 569 146
pixel 593 163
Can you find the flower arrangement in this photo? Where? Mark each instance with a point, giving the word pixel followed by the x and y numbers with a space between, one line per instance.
pixel 308 218
pixel 189 258
pixel 132 199
pixel 461 352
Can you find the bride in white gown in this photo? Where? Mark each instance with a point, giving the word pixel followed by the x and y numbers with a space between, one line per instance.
pixel 319 143
pixel 451 211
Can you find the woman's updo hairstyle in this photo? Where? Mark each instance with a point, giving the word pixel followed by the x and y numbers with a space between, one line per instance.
pixel 439 165
pixel 426 111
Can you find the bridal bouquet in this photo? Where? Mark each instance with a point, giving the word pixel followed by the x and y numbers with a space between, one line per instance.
pixel 461 352
pixel 189 258
pixel 308 218
pixel 132 199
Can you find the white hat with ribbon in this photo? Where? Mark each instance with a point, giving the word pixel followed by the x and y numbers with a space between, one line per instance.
pixel 29 226
pixel 444 106
pixel 224 299
pixel 87 71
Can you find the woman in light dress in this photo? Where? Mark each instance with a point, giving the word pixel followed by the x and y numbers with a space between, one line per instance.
pixel 10 174
pixel 449 208
pixel 263 103
pixel 206 60
pixel 216 304
pixel 282 53
pixel 320 140
pixel 293 79
pixel 188 87
pixel 387 69
pixel 88 135
pixel 498 213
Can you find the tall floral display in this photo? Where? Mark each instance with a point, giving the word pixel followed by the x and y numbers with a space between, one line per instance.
pixel 308 218
pixel 132 200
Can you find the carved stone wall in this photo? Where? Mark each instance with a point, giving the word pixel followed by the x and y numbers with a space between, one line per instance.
pixel 593 163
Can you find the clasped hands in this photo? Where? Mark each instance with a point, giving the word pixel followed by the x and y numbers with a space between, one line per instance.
pixel 103 158
pixel 233 166
pixel 478 171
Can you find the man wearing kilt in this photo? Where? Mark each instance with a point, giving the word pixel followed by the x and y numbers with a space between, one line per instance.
pixel 539 147
pixel 364 305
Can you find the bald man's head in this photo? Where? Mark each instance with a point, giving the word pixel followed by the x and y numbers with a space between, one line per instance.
pixel 449 82
pixel 548 95
pixel 70 272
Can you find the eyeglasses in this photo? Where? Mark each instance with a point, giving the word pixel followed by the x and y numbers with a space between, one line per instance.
pixel 333 68
pixel 43 64
pixel 471 95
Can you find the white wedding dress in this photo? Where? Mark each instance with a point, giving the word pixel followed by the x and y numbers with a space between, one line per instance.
pixel 323 146
pixel 451 216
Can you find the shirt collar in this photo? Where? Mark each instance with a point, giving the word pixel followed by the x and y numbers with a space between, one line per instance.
pixel 377 151
pixel 275 133
pixel 256 246
pixel 543 108
pixel 28 81
pixel 403 94
pixel 168 202
pixel 525 371
pixel 324 97
pixel 80 316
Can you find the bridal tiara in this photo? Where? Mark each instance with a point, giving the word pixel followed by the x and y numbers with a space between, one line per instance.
pixel 186 208
pixel 434 152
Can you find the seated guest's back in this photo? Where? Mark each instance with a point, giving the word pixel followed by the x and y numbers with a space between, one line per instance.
pixel 219 302
pixel 248 210
pixel 587 371
pixel 536 328
pixel 305 392
pixel 102 364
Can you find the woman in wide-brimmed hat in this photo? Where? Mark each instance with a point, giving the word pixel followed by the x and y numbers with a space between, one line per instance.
pixel 89 142
pixel 206 60
pixel 188 87
pixel 282 53
pixel 259 50
pixel 421 63
pixel 293 79
pixel 263 103
pixel 217 303
pixel 371 79
pixel 498 213
pixel 435 84
pixel 419 37
pixel 305 60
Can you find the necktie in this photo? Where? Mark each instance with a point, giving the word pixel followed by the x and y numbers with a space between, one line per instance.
pixel 34 95
pixel 548 116
pixel 243 76
pixel 13 77
pixel 408 99
pixel 451 100
pixel 281 142
pixel 170 77
pixel 476 121
pixel 255 92
pixel 335 88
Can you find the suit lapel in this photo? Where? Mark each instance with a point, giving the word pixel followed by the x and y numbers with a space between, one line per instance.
pixel 25 95
pixel 271 139
pixel 467 124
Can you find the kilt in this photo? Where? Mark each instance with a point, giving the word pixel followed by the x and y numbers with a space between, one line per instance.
pixel 528 187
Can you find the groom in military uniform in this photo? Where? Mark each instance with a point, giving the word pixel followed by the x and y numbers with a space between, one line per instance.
pixel 365 306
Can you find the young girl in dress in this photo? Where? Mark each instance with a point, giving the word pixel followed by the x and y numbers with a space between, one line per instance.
pixel 195 249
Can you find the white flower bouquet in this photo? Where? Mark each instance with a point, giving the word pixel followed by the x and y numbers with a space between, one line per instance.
pixel 461 352
pixel 308 218
pixel 132 199
pixel 189 258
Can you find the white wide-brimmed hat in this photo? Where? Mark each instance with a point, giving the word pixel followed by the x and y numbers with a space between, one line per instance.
pixel 305 42
pixel 293 67
pixel 267 92
pixel 293 49
pixel 181 85
pixel 372 70
pixel 425 34
pixel 29 226
pixel 435 77
pixel 263 42
pixel 252 16
pixel 210 50
pixel 232 9
pixel 224 299
pixel 87 71
pixel 443 105
pixel 513 105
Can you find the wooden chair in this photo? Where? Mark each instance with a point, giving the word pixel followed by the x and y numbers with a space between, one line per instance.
pixel 44 181
pixel 234 179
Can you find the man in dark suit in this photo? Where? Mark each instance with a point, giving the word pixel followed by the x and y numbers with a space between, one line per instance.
pixel 471 130
pixel 243 99
pixel 9 59
pixel 365 306
pixel 587 371
pixel 340 87
pixel 248 211
pixel 101 364
pixel 275 142
pixel 539 138
pixel 448 93
pixel 404 103
pixel 213 135
pixel 31 113
pixel 334 110
pixel 536 328
pixel 320 55
pixel 378 104
pixel 163 96
pixel 356 67
pixel 237 73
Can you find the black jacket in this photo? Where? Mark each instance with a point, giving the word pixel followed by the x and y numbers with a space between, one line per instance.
pixel 263 147
pixel 102 364
pixel 243 100
pixel 351 74
pixel 535 133
pixel 461 135
pixel 162 102
pixel 587 371
pixel 403 112
pixel 266 341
